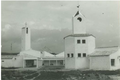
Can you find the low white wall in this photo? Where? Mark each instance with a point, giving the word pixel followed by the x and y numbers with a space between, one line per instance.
pixel 82 63
pixel 18 61
pixel 7 63
pixel 70 63
pixel 117 61
pixel 40 63
pixel 100 63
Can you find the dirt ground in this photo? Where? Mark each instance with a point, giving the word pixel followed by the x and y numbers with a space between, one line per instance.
pixel 52 73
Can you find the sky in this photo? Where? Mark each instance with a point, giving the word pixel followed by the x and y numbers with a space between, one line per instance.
pixel 50 22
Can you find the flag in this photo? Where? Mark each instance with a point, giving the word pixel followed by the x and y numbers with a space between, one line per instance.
pixel 76 13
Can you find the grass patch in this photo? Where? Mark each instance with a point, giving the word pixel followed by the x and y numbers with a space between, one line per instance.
pixel 58 75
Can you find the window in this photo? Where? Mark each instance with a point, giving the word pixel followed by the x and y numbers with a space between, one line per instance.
pixel 68 55
pixel 27 30
pixel 79 54
pixel 83 41
pixel 79 18
pixel 72 55
pixel 84 54
pixel 112 62
pixel 78 41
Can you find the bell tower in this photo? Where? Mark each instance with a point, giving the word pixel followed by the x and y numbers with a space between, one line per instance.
pixel 78 22
pixel 26 38
pixel 79 44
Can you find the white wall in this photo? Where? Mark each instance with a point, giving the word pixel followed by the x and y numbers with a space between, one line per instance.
pixel 79 27
pixel 69 48
pixel 88 48
pixel 7 63
pixel 82 63
pixel 91 44
pixel 70 63
pixel 26 39
pixel 40 63
pixel 18 62
pixel 117 60
pixel 100 63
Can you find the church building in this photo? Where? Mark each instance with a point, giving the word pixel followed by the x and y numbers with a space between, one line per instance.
pixel 81 52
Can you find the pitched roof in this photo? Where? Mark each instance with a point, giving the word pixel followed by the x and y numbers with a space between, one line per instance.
pixel 106 51
pixel 31 52
pixel 47 54
pixel 60 54
pixel 79 35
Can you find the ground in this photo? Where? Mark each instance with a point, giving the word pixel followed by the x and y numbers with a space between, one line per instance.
pixel 57 73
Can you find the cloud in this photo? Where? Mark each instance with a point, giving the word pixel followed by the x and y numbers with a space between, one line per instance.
pixel 6 27
pixel 31 23
pixel 40 39
pixel 51 21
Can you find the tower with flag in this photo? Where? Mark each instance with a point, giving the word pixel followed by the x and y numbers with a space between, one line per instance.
pixel 79 44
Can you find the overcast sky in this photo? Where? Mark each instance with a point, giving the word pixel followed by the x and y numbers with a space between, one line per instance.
pixel 50 21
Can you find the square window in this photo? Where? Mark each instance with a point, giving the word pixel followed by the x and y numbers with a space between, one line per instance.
pixel 68 55
pixel 72 55
pixel 78 41
pixel 112 62
pixel 79 54
pixel 84 54
pixel 83 41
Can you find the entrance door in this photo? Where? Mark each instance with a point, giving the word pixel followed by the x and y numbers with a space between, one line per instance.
pixel 30 63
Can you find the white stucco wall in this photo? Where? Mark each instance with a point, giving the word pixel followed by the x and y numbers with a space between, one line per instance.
pixel 81 48
pixel 70 63
pixel 7 63
pixel 79 27
pixel 82 63
pixel 117 60
pixel 88 48
pixel 69 48
pixel 40 63
pixel 26 39
pixel 91 44
pixel 100 63
pixel 18 61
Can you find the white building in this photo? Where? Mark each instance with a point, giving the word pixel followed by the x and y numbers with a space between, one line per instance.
pixel 52 60
pixel 80 50
pixel 27 57
pixel 105 58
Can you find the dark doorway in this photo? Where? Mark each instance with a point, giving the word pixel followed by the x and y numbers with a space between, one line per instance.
pixel 30 63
